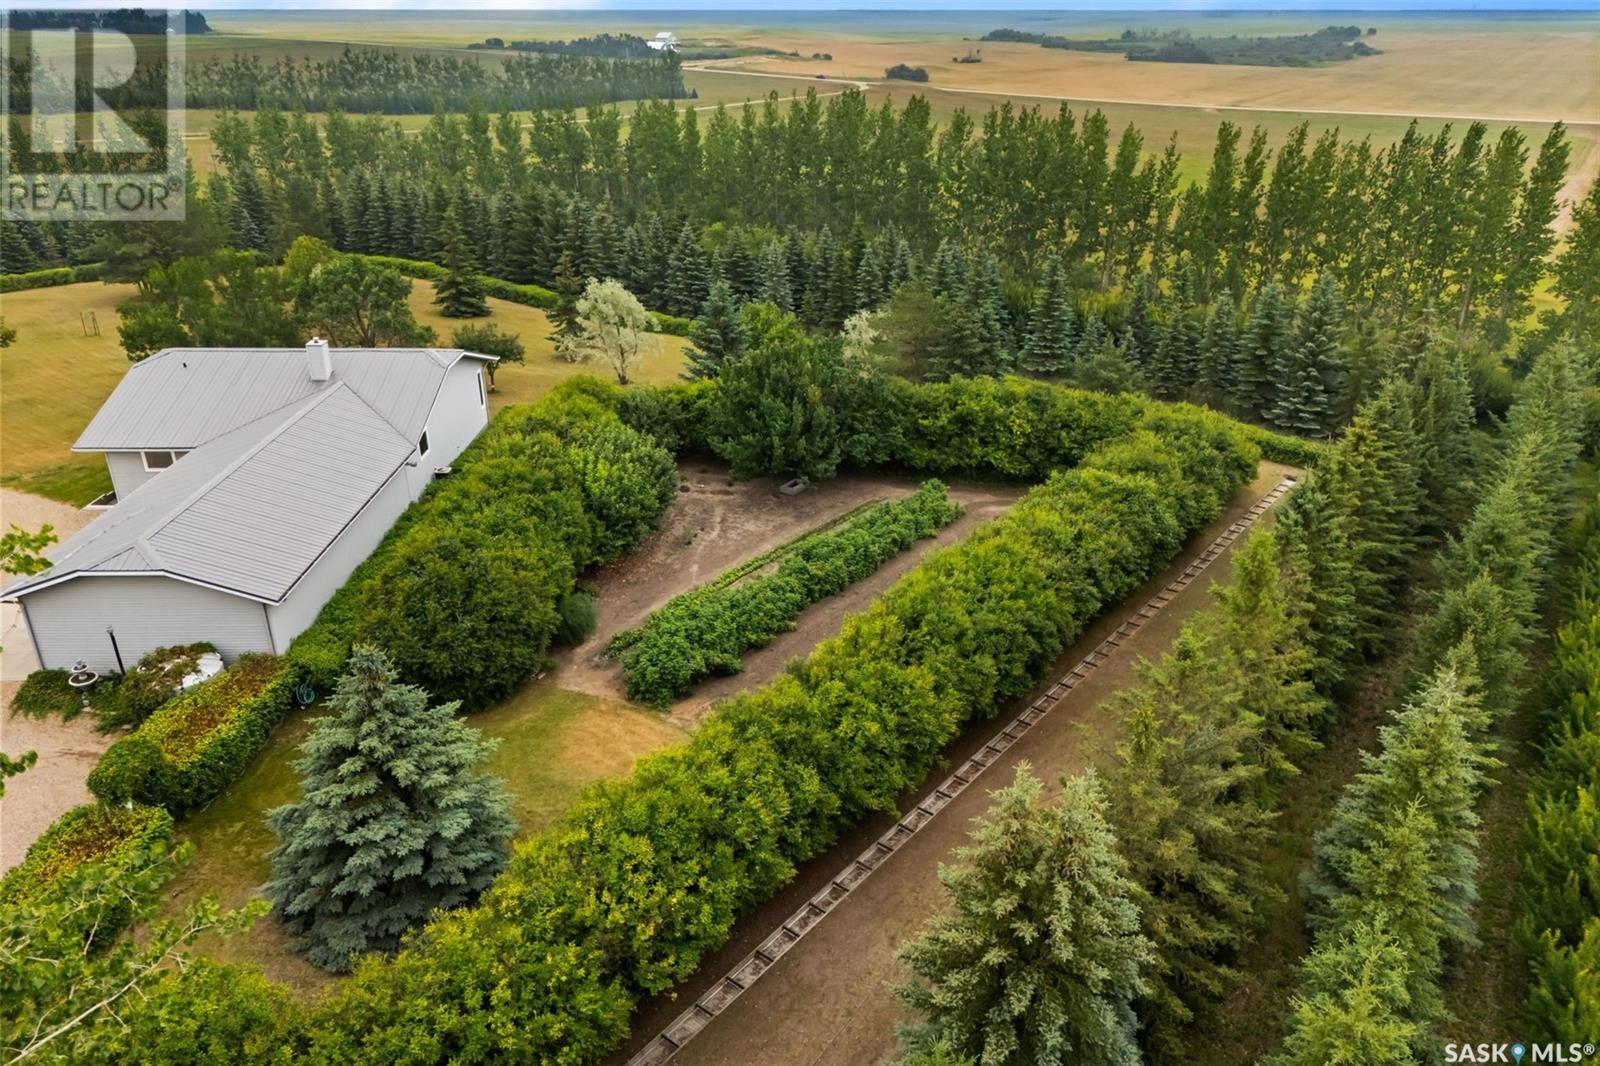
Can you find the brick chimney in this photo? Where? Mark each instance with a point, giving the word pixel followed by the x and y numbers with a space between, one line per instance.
pixel 319 365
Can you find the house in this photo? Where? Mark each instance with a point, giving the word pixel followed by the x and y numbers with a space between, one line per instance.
pixel 250 482
pixel 665 41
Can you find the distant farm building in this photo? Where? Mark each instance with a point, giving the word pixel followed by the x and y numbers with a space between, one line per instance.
pixel 665 41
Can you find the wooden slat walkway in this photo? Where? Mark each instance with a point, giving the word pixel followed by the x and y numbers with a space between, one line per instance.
pixel 700 1014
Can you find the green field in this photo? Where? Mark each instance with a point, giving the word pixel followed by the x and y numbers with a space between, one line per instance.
pixel 552 743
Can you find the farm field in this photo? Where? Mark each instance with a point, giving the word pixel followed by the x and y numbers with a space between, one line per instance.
pixel 553 742
pixel 54 378
pixel 830 995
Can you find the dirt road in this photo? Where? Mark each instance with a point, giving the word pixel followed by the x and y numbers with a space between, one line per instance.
pixel 829 1000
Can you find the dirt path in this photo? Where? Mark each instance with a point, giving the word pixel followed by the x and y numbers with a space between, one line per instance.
pixel 829 999
pixel 67 750
pixel 716 524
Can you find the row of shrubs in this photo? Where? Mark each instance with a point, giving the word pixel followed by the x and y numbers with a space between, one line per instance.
pixel 90 833
pixel 647 874
pixel 1558 894
pixel 50 277
pixel 197 743
pixel 1011 428
pixel 707 630
pixel 466 590
pixel 514 292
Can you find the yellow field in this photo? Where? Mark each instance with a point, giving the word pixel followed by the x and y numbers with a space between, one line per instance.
pixel 54 378
pixel 1531 74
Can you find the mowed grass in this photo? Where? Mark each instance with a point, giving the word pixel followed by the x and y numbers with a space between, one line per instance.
pixel 54 378
pixel 661 359
pixel 552 744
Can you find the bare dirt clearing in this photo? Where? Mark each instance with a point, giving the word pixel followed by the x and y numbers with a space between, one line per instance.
pixel 716 523
pixel 67 750
pixel 828 1000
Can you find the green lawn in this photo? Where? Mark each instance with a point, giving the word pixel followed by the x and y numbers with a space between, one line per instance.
pixel 52 380
pixel 553 743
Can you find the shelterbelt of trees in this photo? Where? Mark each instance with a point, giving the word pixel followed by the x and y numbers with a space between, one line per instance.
pixel 1278 287
pixel 1165 883
pixel 379 81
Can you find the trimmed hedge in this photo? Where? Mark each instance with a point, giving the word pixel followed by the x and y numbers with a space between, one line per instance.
pixel 50 277
pixel 706 630
pixel 198 743
pixel 90 833
pixel 462 592
pixel 647 874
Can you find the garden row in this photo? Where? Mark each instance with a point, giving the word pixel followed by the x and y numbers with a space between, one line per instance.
pixel 1559 891
pixel 647 874
pixel 707 630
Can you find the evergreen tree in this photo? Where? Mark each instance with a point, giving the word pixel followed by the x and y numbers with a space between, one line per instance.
pixel 718 334
pixel 1431 758
pixel 1264 624
pixel 1173 363
pixel 1040 961
pixel 1266 335
pixel 1307 370
pixel 774 286
pixel 1218 357
pixel 1353 1005
pixel 394 822
pixel 568 285
pixel 1052 331
pixel 688 275
pixel 1442 412
pixel 1189 826
pixel 459 293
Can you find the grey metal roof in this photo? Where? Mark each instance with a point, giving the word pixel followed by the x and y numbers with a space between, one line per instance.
pixel 180 398
pixel 250 510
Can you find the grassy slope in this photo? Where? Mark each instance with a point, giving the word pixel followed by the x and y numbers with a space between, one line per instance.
pixel 552 743
pixel 54 378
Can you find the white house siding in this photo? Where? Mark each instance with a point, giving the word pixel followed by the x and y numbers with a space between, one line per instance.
pixel 127 471
pixel 299 609
pixel 68 621
pixel 458 416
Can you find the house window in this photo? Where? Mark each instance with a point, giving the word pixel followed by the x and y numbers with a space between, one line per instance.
pixel 422 445
pixel 480 388
pixel 154 461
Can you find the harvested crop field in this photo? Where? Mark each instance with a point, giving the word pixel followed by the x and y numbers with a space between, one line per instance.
pixel 717 523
